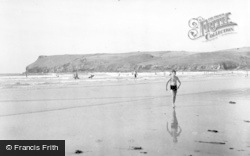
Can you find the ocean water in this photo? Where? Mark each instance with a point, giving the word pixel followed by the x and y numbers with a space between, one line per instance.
pixel 20 94
pixel 8 81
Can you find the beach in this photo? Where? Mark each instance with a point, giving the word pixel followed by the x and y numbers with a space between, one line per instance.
pixel 115 114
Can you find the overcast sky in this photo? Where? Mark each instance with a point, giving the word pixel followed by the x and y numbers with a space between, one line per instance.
pixel 30 28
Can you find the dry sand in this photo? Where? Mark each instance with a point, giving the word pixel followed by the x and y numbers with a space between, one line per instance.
pixel 130 117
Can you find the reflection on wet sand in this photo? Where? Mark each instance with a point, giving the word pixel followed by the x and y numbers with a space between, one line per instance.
pixel 174 128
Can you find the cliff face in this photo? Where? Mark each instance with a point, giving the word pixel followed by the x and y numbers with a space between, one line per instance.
pixel 233 59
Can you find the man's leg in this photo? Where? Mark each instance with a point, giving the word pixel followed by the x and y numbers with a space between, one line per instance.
pixel 175 92
pixel 174 97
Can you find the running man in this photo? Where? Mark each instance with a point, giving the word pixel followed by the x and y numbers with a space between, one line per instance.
pixel 173 85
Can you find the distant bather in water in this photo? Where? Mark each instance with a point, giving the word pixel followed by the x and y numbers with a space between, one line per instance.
pixel 91 76
pixel 76 76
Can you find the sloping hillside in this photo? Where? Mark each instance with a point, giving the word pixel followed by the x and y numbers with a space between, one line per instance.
pixel 232 59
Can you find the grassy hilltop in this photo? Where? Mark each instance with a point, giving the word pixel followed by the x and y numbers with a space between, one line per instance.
pixel 231 59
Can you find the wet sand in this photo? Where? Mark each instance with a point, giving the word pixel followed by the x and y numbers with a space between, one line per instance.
pixel 131 117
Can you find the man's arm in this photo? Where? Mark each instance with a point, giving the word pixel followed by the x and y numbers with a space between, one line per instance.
pixel 167 84
pixel 179 82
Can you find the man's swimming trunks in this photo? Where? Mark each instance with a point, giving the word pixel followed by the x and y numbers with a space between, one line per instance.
pixel 174 88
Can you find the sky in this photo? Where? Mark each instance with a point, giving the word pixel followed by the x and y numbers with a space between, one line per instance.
pixel 30 28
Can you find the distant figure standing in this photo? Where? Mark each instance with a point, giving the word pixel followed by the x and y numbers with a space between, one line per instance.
pixel 135 74
pixel 26 72
pixel 76 75
pixel 174 128
pixel 173 85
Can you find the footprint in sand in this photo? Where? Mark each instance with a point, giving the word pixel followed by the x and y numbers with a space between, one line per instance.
pixel 232 102
pixel 214 131
pixel 135 148
pixel 99 141
pixel 78 152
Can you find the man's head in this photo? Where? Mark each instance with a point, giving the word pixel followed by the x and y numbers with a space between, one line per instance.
pixel 173 72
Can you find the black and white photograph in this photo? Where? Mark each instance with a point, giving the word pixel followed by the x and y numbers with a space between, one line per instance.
pixel 125 77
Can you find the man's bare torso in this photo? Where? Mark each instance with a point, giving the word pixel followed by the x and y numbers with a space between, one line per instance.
pixel 173 80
